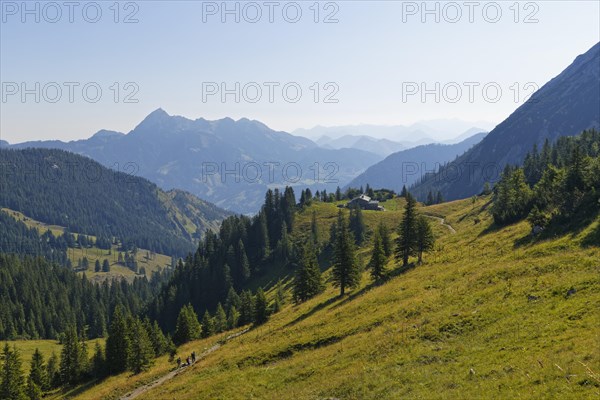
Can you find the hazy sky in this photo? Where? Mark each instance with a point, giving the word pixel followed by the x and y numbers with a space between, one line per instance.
pixel 375 61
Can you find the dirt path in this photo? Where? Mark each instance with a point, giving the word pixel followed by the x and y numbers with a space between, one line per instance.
pixel 143 389
pixel 442 222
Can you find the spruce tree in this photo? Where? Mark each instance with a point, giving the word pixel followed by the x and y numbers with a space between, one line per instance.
pixel 345 271
pixel 404 192
pixel 220 319
pixel 98 362
pixel 386 240
pixel 33 390
pixel 261 309
pixel 407 238
pixel 71 368
pixel 105 266
pixel 52 370
pixel 208 325
pixel 232 317
pixel 11 381
pixel 308 281
pixel 429 198
pixel 97 266
pixel 425 238
pixel 188 328
pixel 378 258
pixel 357 225
pixel 439 199
pixel 118 345
pixel 141 355
pixel 37 371
pixel 246 308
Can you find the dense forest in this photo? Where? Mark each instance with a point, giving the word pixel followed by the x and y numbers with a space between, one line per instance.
pixel 17 238
pixel 555 186
pixel 40 299
pixel 61 188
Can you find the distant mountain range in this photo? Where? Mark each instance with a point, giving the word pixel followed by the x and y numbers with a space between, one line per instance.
pixel 230 163
pixel 565 106
pixel 425 132
pixel 408 166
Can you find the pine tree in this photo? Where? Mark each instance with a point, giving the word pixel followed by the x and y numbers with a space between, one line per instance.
pixel 233 300
pixel 118 345
pixel 308 281
pixel 72 367
pixel 404 191
pixel 98 362
pixel 261 309
pixel 246 308
pixel 386 239
pixel 220 319
pixel 279 298
pixel 357 225
pixel 105 266
pixel 439 199
pixel 429 198
pixel 378 258
pixel 208 325
pixel 11 381
pixel 97 266
pixel 345 271
pixel 188 328
pixel 233 317
pixel 52 370
pixel 407 239
pixel 338 194
pixel 243 262
pixel 33 390
pixel 37 371
pixel 425 238
pixel 141 355
pixel 157 337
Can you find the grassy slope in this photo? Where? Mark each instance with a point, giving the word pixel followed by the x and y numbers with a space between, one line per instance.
pixel 46 347
pixel 486 316
pixel 116 270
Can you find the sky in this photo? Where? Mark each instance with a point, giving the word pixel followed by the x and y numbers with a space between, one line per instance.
pixel 68 71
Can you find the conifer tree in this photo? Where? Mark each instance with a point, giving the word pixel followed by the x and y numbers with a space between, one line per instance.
pixel 72 367
pixel 188 328
pixel 208 325
pixel 105 266
pixel 52 370
pixel 308 281
pixel 37 371
pixel 118 345
pixel 404 191
pixel 98 362
pixel 407 239
pixel 232 317
pixel 97 266
pixel 338 194
pixel 357 225
pixel 439 199
pixel 345 271
pixel 386 240
pixel 425 238
pixel 261 308
pixel 11 381
pixel 220 319
pixel 378 258
pixel 246 308
pixel 141 355
pixel 33 390
pixel 429 198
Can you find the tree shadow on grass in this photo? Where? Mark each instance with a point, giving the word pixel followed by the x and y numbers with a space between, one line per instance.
pixel 313 310
pixel 392 274
pixel 73 391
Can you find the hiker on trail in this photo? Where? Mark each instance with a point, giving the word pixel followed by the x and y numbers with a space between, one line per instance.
pixel 178 362
pixel 193 356
pixel 187 361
